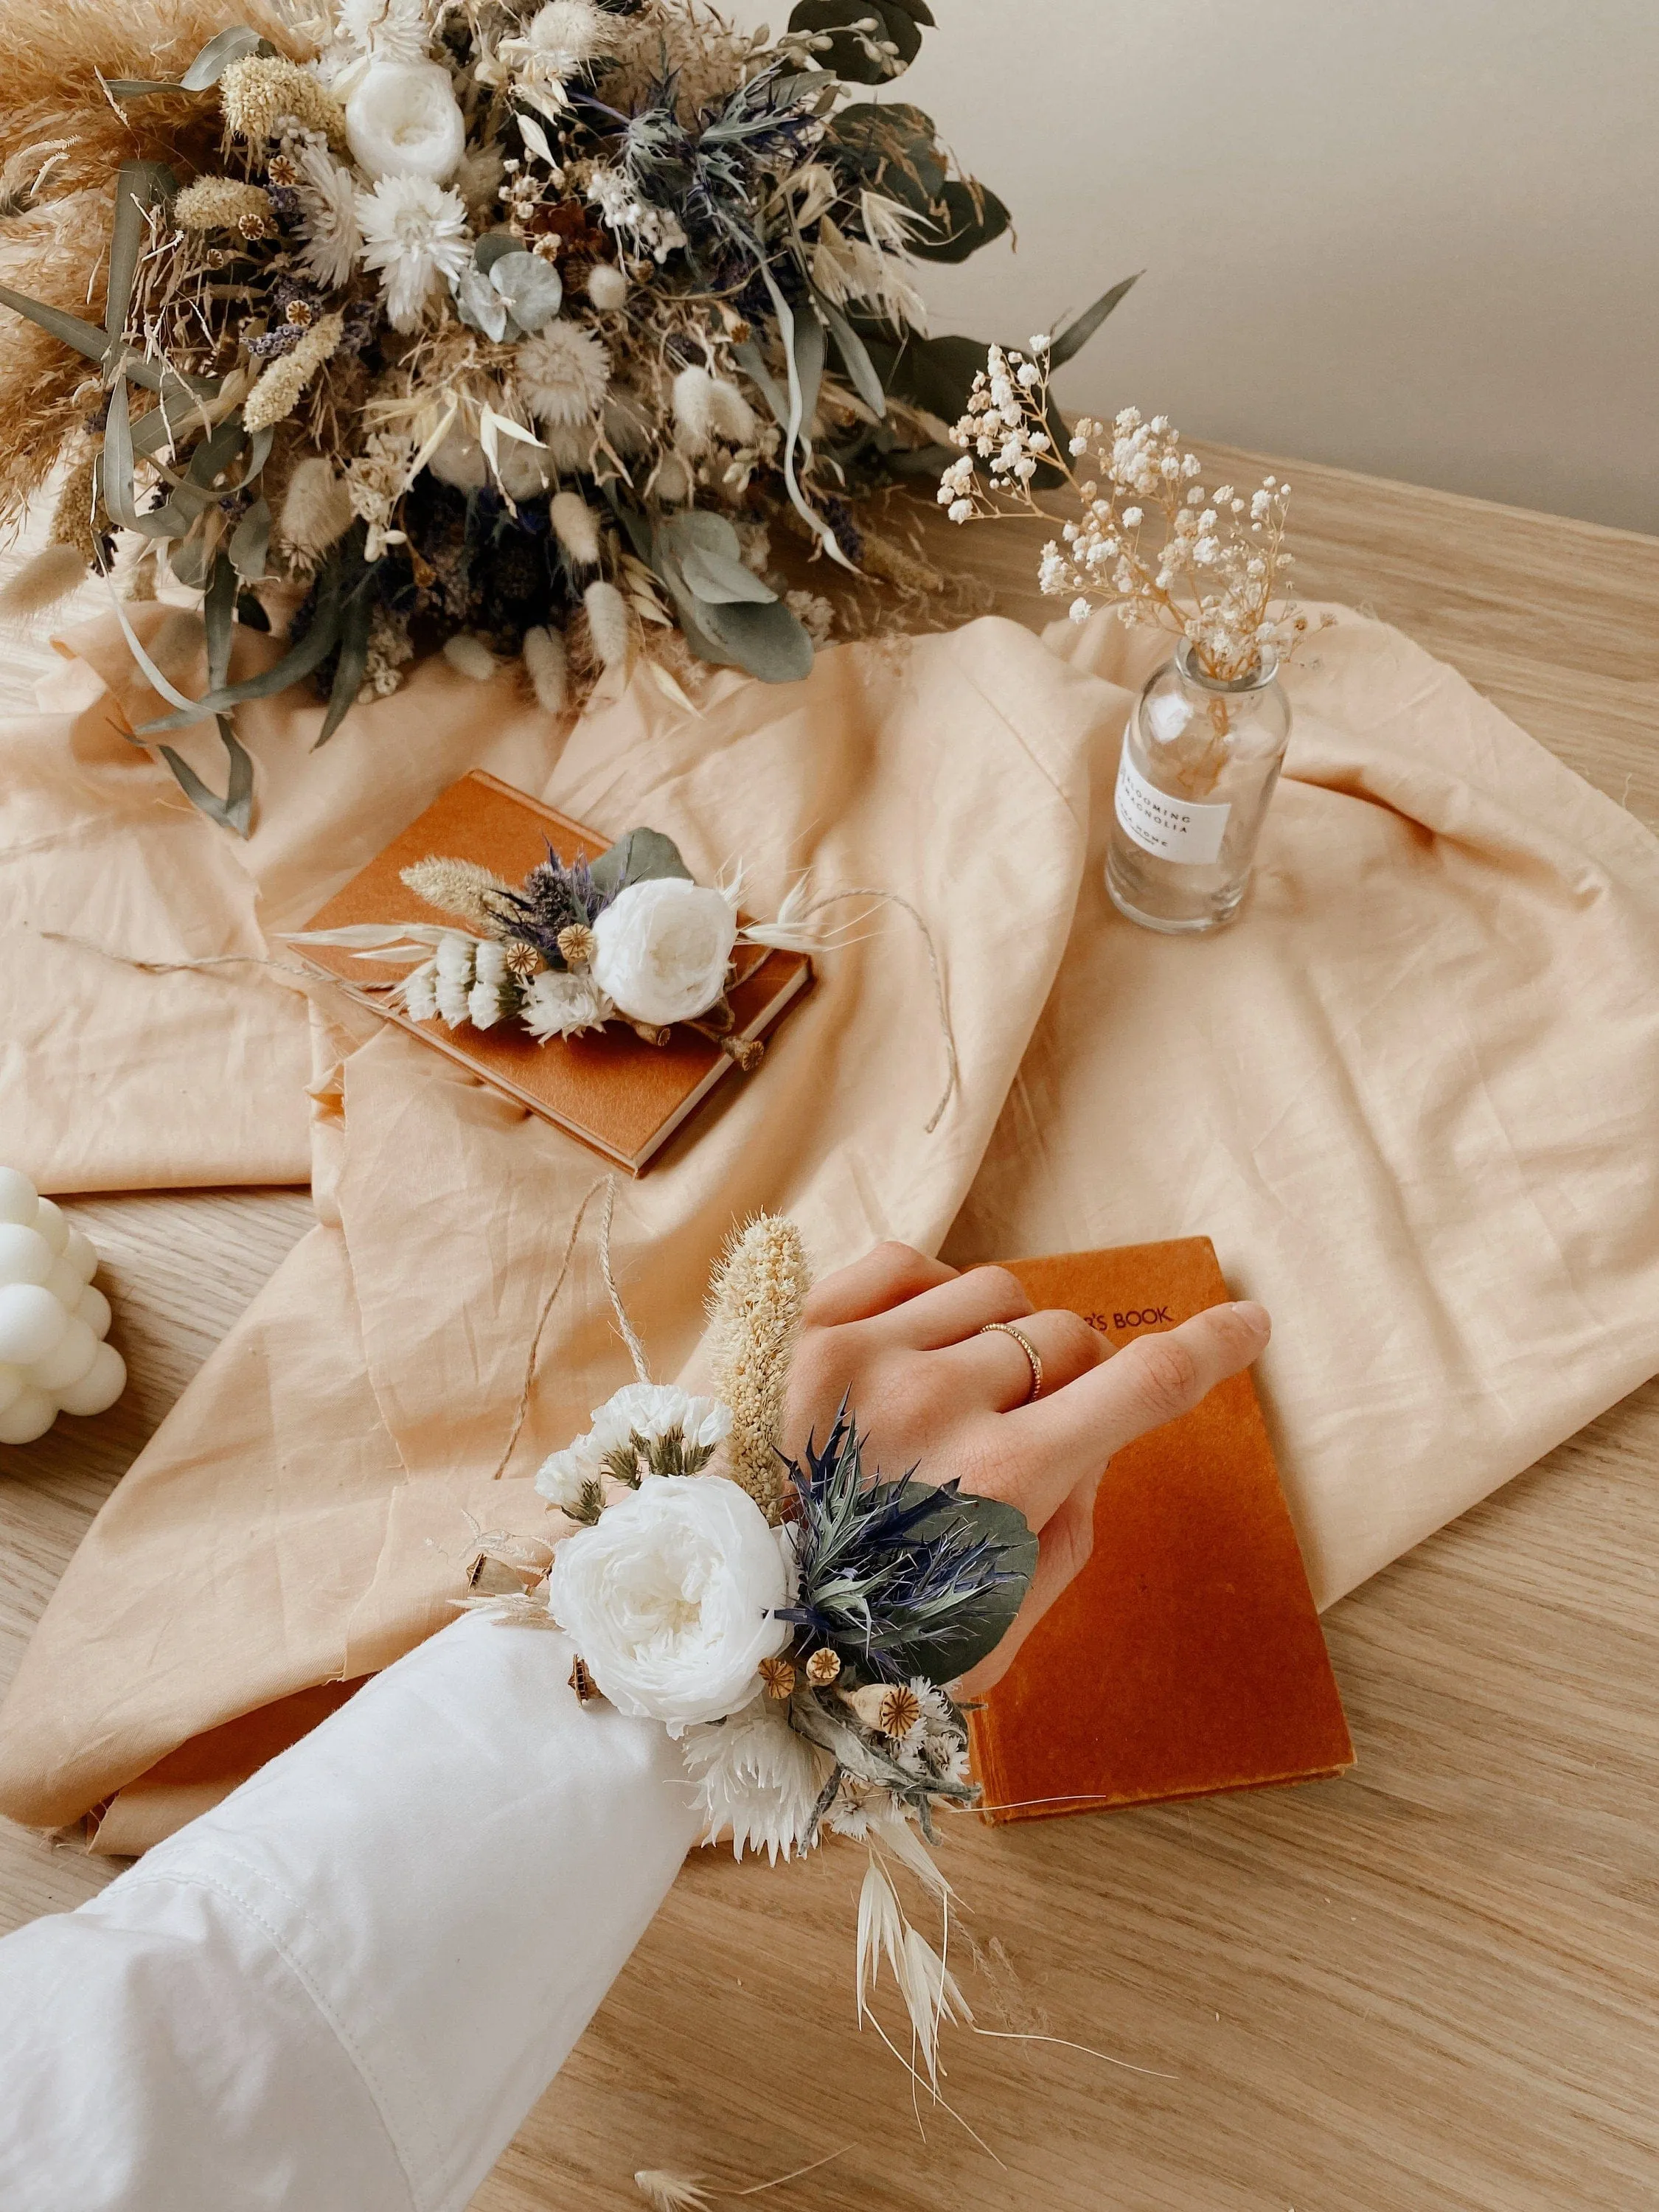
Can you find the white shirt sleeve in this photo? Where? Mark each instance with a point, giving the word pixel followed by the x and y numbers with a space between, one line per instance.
pixel 343 1988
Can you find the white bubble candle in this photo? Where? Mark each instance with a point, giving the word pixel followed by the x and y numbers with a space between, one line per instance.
pixel 53 1359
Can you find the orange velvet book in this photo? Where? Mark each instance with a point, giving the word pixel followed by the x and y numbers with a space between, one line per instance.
pixel 1187 1656
pixel 624 1098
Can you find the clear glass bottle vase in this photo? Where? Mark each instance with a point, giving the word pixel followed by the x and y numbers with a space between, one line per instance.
pixel 1200 758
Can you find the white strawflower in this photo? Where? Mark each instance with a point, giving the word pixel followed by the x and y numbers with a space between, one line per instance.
pixel 402 120
pixel 328 204
pixel 671 1599
pixel 562 1004
pixel 570 1479
pixel 757 1778
pixel 650 1410
pixel 563 372
pixel 415 233
pixel 663 948
pixel 393 30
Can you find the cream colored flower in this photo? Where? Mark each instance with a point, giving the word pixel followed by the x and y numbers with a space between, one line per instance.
pixel 402 120
pixel 328 204
pixel 415 233
pixel 663 949
pixel 563 373
pixel 671 1599
pixel 559 1004
pixel 757 1780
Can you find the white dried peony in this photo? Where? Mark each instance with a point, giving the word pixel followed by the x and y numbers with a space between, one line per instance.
pixel 672 1598
pixel 758 1779
pixel 404 120
pixel 663 948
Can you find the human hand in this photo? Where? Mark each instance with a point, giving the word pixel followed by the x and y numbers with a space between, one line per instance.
pixel 900 1336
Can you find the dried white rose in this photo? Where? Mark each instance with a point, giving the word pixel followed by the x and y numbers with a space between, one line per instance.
pixel 671 1599
pixel 663 949
pixel 404 120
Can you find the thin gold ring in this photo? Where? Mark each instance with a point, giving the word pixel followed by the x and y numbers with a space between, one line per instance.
pixel 1008 1329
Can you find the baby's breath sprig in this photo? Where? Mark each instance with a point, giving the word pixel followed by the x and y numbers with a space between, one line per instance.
pixel 1149 540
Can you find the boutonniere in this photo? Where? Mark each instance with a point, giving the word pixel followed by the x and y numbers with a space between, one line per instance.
pixel 631 937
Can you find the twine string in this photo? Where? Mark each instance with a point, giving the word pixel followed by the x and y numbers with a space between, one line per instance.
pixel 934 969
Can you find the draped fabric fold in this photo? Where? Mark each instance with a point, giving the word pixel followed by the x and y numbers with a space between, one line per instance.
pixel 1408 1095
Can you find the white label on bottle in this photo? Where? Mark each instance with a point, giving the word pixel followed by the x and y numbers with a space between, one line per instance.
pixel 1173 829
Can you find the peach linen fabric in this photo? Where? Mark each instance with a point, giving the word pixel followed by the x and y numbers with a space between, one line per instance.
pixel 1410 1095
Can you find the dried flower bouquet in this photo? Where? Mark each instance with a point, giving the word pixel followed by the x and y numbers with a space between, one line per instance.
pixel 504 326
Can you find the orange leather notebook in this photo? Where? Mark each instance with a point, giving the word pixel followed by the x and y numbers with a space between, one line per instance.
pixel 1187 1656
pixel 619 1094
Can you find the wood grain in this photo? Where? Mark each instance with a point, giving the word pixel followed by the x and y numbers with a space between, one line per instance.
pixel 1432 1984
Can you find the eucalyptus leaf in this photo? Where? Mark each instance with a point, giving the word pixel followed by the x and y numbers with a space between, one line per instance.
pixel 855 360
pixel 217 56
pixel 139 185
pixel 356 621
pixel 495 245
pixel 1070 340
pixel 250 542
pixel 219 620
pixel 642 856
pixel 70 330
pixel 298 660
pixel 479 305
pixel 718 581
pixel 235 810
pixel 767 643
pixel 753 361
pixel 532 287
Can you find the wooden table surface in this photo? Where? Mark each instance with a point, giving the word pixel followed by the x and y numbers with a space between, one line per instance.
pixel 1433 1984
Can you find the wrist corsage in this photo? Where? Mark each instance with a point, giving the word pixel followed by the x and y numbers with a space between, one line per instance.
pixel 795 1625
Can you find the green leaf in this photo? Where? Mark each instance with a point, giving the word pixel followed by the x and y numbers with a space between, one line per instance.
pixel 720 581
pixel 532 287
pixel 495 245
pixel 219 620
pixel 250 542
pixel 356 621
pixel 641 856
pixel 860 369
pixel 139 187
pixel 235 810
pixel 85 338
pixel 977 1628
pixel 966 218
pixel 1070 341
pixel 767 643
pixel 893 148
pixel 209 66
pixel 217 56
pixel 298 660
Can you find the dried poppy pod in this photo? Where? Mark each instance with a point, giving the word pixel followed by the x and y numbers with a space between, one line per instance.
pixel 822 1667
pixel 778 1676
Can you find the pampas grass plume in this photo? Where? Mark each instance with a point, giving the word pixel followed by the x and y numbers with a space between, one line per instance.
pixel 548 664
pixel 754 1311
pixel 607 622
pixel 576 527
pixel 41 583
pixel 469 656
pixel 316 508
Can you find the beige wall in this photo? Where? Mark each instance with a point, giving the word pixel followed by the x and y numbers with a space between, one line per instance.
pixel 1416 237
